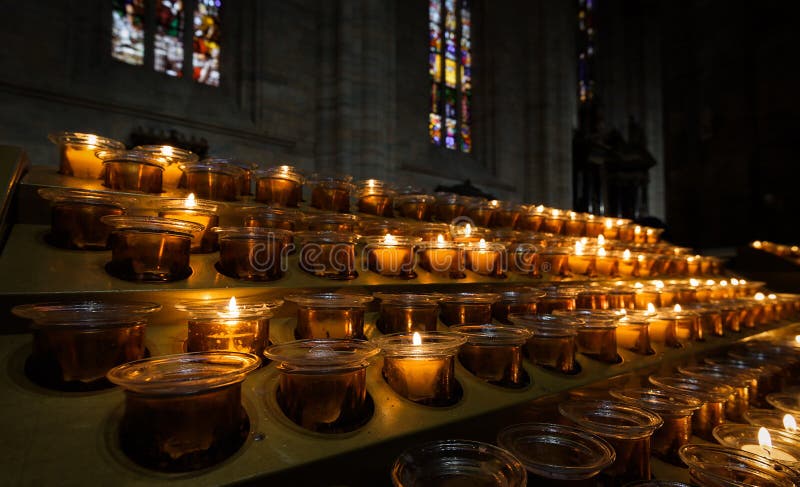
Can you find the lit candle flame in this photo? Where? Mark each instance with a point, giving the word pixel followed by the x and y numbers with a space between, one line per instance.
pixel 651 309
pixel 626 254
pixel 734 281
pixel 710 282
pixel 601 240
pixel 233 308
pixel 640 257
pixel 658 284
pixel 609 224
pixel 416 340
pixel 637 229
pixel 742 282
pixel 190 201
pixel 440 238
pixel 91 139
pixel 772 296
pixel 694 282
pixel 638 285
pixel 765 440
pixel 572 215
pixel 789 423
pixel 482 244
pixel 540 209
pixel 389 239
pixel 797 338
pixel 166 151
pixel 467 230
pixel 650 231
pixel 578 248
pixel 620 222
pixel 759 297
pixel 677 308
pixel 690 259
pixel 601 252
pixel 723 283
pixel 555 212
pixel 757 244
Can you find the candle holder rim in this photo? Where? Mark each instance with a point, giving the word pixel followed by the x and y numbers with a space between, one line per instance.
pixel 110 156
pixel 718 374
pixel 184 373
pixel 546 324
pixel 329 300
pixel 656 483
pixel 705 389
pixel 757 367
pixel 592 319
pixel 325 179
pixel 433 343
pixel 521 294
pixel 247 307
pixel 289 173
pixel 82 138
pixel 733 434
pixel 326 236
pixel 471 298
pixel 420 198
pixel 323 353
pixel 399 241
pixel 696 456
pixel 332 218
pixel 445 451
pixel 85 196
pixel 178 155
pixel 491 334
pixel 431 299
pixel 60 312
pixel 436 245
pixel 371 227
pixel 660 401
pixel 787 402
pixel 600 452
pixel 753 415
pixel 201 206
pixel 447 198
pixel 152 224
pixel 478 246
pixel 214 165
pixel 253 232
pixel 578 412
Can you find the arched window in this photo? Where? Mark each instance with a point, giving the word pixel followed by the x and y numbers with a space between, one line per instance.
pixel 450 68
pixel 129 43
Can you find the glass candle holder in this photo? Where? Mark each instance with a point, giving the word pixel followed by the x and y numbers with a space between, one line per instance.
pixel 448 206
pixel 462 232
pixel 252 253
pixel 214 178
pixel 675 328
pixel 786 402
pixel 322 384
pixel 331 193
pixel 191 210
pixel 523 256
pixel 594 226
pixel 627 264
pixel 173 157
pixel 530 219
pixel 606 264
pixel 150 248
pixel 77 153
pixel 556 298
pixel 785 447
pixel 407 313
pixel 245 178
pixel 331 222
pixel 442 257
pixel 486 258
pixel 132 170
pixel 331 255
pixel 517 301
pixel 710 318
pixel 481 211
pixel 493 353
pixel 675 410
pixel 730 311
pixel 646 296
pixel 380 227
pixel 183 412
pixel 553 261
pixel 222 324
pixel 414 206
pixel 597 334
pixel 75 344
pixel 429 232
pixel 467 308
pixel 622 298
pixel 421 366
pixel 646 264
pixel 279 185
pixel 506 214
pixel 633 333
pixel 392 256
pixel 457 462
pixel 75 217
pixel 374 198
pixel 280 218
pixel 581 261
pixel 575 225
pixel 552 345
pixel 739 381
pixel 730 467
pixel 713 395
pixel 764 378
pixel 555 454
pixel 627 428
pixel 329 315
pixel 592 298
pixel 769 418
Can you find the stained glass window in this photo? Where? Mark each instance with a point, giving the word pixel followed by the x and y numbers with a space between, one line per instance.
pixel 169 37
pixel 206 45
pixel 127 31
pixel 587 35
pixel 450 69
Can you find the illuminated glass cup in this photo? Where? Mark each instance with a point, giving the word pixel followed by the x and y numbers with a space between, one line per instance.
pixel 448 206
pixel 552 345
pixel 203 212
pixel 279 185
pixel 76 214
pixel 173 157
pixel 331 255
pixel 132 170
pixel 713 395
pixel 331 192
pixel 183 412
pixel 280 218
pixel 374 198
pixel 731 467
pixel 423 371
pixel 482 212
pixel 467 308
pixel 76 343
pixel 597 334
pixel 627 428
pixel 516 301
pixel 494 353
pixel 405 312
pixel 785 446
pixel 329 315
pixel 214 178
pixel 77 153
pixel 150 248
pixel 322 383
pixel 444 258
pixel 457 462
pixel 739 380
pixel 555 454
pixel 331 222
pixel 252 253
pixel 414 206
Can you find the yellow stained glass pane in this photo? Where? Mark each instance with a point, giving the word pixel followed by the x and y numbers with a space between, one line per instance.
pixel 450 72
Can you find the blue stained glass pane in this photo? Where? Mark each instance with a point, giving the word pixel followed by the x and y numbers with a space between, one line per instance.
pixel 127 31
pixel 207 42
pixel 450 133
pixel 435 11
pixel 435 128
pixel 466 138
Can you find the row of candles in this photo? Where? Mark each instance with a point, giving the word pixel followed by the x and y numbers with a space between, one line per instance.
pixel 256 247
pixel 225 339
pixel 781 250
